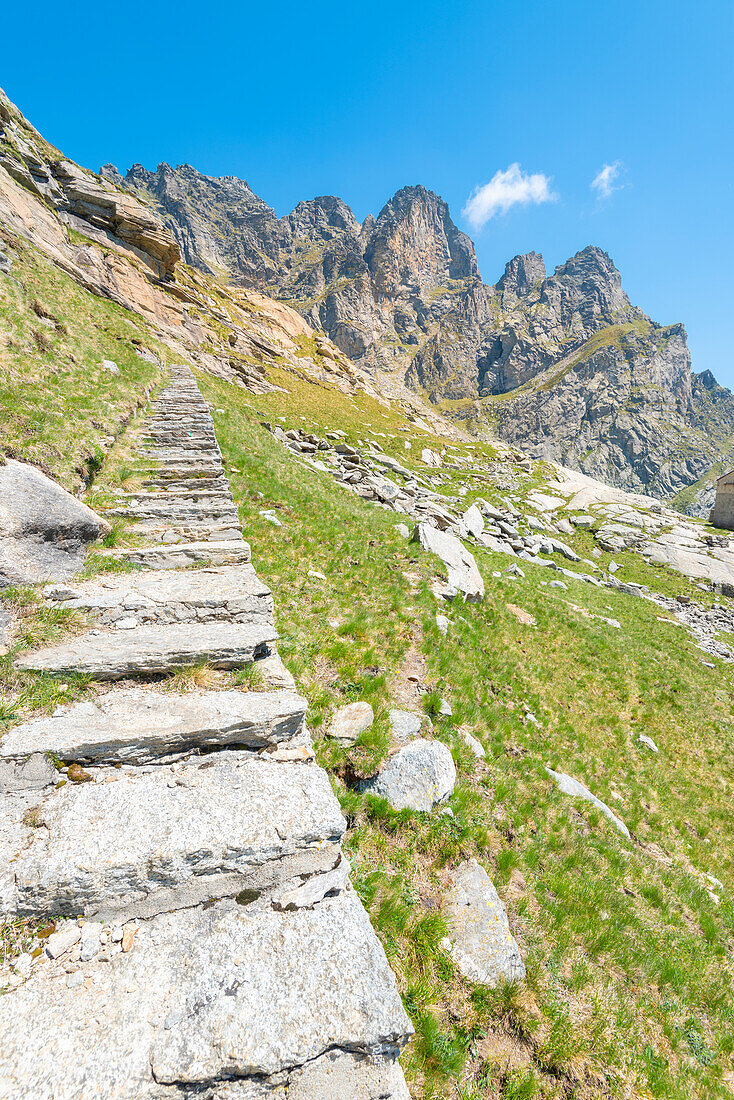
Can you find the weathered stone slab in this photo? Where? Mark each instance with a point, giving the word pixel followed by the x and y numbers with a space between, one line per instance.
pixel 175 496
pixel 232 593
pixel 207 995
pixel 571 786
pixel 406 724
pixel 13 834
pixel 33 774
pixel 189 531
pixel 337 1075
pixel 195 511
pixel 44 530
pixel 153 650
pixel 474 520
pixel 114 845
pixel 350 721
pixel 460 564
pixel 181 554
pixel 479 940
pixel 139 725
pixel 417 777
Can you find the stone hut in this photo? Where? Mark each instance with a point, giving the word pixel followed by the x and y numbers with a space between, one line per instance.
pixel 722 514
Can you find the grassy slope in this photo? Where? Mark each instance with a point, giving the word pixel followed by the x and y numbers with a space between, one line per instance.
pixel 58 408
pixel 629 978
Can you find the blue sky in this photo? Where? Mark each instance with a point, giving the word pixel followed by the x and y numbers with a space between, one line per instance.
pixel 358 100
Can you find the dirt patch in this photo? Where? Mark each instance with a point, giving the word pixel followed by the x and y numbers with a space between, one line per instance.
pixel 521 614
pixel 409 684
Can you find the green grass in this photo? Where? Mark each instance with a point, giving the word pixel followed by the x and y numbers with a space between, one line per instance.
pixel 629 983
pixel 58 409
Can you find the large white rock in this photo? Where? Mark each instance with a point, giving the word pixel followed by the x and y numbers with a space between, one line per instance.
pixel 140 725
pixel 463 573
pixel 351 720
pixel 207 995
pixel 571 786
pixel 152 650
pixel 44 530
pixel 416 777
pixel 174 835
pixel 474 521
pixel 479 939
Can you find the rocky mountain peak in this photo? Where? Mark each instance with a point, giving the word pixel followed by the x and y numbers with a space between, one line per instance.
pixel 111 173
pixel 522 273
pixel 327 215
pixel 416 244
pixel 706 379
pixel 590 285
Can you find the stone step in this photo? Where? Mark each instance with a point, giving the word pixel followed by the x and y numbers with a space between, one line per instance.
pixel 192 469
pixel 231 593
pixel 194 446
pixel 184 531
pixel 195 467
pixel 186 483
pixel 215 1002
pixel 182 554
pixel 175 411
pixel 178 496
pixel 182 433
pixel 148 840
pixel 152 650
pixel 174 456
pixel 226 512
pixel 179 418
pixel 139 725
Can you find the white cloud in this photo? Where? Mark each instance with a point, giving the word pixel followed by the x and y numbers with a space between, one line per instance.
pixel 605 179
pixel 507 188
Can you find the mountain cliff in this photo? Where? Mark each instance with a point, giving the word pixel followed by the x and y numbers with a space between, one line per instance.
pixel 563 364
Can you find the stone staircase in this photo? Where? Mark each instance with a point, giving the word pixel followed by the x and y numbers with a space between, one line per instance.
pixel 207 940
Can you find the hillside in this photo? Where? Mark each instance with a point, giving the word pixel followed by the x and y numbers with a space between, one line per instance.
pixel 596 645
pixel 562 363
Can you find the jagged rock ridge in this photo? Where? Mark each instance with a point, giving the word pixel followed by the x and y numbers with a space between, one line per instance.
pixel 563 365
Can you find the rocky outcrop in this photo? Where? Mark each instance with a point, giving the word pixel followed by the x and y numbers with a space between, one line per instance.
pixel 88 203
pixel 379 290
pixel 44 531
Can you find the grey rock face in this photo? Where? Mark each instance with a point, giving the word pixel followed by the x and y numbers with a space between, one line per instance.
pixel 571 786
pixel 480 941
pixel 417 777
pixel 522 274
pixel 44 531
pixel 203 996
pixel 405 724
pixel 138 726
pixel 201 212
